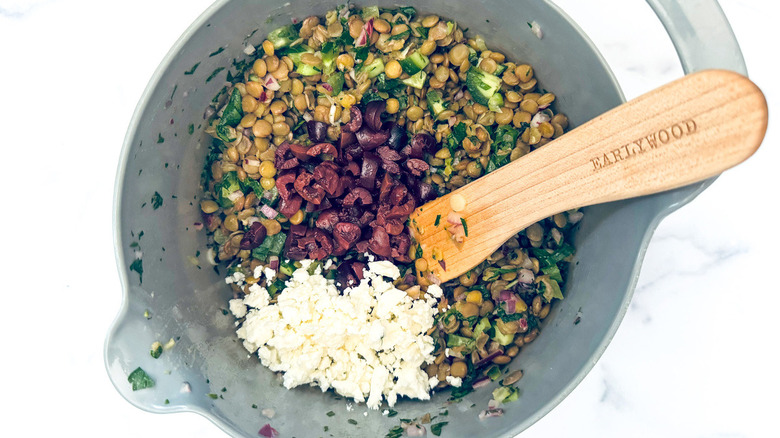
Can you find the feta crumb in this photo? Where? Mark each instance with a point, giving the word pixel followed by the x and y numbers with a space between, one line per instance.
pixel 237 308
pixel 454 381
pixel 433 381
pixel 368 343
pixel 268 413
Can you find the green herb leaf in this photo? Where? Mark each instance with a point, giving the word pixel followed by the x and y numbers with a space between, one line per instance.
pixel 403 35
pixel 436 428
pixel 465 227
pixel 351 421
pixel 156 350
pixel 140 380
pixel 392 413
pixel 330 413
pixel 192 70
pixel 212 396
pixel 438 219
pixel 157 200
pixel 423 31
pixel 138 267
pixel 231 116
pixel 272 245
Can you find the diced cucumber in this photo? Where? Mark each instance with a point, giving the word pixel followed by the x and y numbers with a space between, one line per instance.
pixel 417 80
pixel 482 85
pixel 413 63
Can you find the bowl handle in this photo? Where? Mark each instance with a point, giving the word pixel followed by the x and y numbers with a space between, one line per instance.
pixel 701 34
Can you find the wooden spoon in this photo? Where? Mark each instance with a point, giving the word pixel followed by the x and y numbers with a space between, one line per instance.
pixel 684 132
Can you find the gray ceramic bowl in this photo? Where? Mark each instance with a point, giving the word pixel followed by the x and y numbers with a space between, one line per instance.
pixel 156 205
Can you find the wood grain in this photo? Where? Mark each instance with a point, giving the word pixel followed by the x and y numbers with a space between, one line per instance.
pixel 679 134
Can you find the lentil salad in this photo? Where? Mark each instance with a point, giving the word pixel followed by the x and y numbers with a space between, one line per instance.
pixel 388 104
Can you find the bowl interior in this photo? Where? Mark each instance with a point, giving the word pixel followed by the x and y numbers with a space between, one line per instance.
pixel 171 291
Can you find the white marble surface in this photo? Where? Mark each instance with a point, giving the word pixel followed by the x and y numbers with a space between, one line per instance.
pixel 696 355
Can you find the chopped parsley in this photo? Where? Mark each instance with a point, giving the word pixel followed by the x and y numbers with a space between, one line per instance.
pixel 140 380
pixel 351 421
pixel 330 413
pixel 157 201
pixel 392 413
pixel 192 70
pixel 465 227
pixel 438 219
pixel 214 74
pixel 212 396
pixel 156 350
pixel 160 138
pixel 138 267
pixel 436 428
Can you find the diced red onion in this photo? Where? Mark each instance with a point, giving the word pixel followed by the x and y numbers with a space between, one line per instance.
pixel 409 279
pixel 198 226
pixel 273 262
pixel 491 413
pixel 489 358
pixel 271 83
pixel 451 121
pixel 505 295
pixel 460 296
pixel 307 116
pixel 268 431
pixel 269 212
pixel 536 29
pixel 327 86
pixel 493 404
pixel 482 381
pixel 443 265
pixel 454 218
pixel 235 195
pixel 251 162
pixel 510 307
pixel 433 278
pixel 268 195
pixel 538 119
pixel 415 430
pixel 525 276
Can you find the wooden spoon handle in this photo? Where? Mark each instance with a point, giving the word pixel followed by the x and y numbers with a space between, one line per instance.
pixel 684 132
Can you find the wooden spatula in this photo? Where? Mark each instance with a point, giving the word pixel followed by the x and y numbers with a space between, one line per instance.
pixel 679 134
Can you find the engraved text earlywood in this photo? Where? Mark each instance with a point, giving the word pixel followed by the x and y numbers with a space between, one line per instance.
pixel 646 143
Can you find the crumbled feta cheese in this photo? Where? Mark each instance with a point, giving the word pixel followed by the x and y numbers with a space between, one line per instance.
pixel 433 381
pixel 454 381
pixel 238 277
pixel 237 308
pixel 368 343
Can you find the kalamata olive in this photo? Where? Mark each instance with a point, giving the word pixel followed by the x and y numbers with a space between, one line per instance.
pixel 326 176
pixel 285 184
pixel 399 245
pixel 345 234
pixel 289 207
pixel 353 168
pixel 350 214
pixel 327 220
pixel 254 237
pixel 373 114
pixel 300 152
pixel 369 170
pixel 385 187
pixel 317 130
pixel 283 157
pixel 322 245
pixel 387 154
pixel 355 121
pixel 291 249
pixel 422 143
pixel 398 137
pixel 322 148
pixel 366 218
pixel 370 139
pixel 423 192
pixel 308 188
pixel 358 196
pixel 379 243
pixel 416 166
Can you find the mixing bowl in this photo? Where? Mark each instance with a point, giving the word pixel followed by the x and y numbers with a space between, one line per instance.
pixel 172 292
